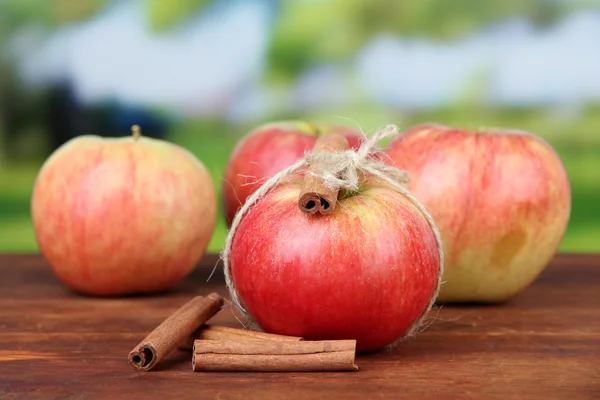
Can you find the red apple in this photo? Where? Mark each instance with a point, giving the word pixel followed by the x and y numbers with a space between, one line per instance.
pixel 365 272
pixel 122 216
pixel 501 200
pixel 267 150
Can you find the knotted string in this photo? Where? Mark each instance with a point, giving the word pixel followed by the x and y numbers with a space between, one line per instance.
pixel 340 170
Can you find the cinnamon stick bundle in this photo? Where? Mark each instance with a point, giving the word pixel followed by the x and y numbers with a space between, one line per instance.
pixel 173 330
pixel 315 196
pixel 216 332
pixel 233 355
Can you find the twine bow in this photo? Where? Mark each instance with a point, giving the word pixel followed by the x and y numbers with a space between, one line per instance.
pixel 341 170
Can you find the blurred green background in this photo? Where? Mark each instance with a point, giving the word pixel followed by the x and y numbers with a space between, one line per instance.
pixel 203 73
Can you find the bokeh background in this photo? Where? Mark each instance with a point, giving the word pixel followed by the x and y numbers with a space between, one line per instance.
pixel 202 73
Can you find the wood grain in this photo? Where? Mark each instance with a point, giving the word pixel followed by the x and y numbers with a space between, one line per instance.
pixel 544 344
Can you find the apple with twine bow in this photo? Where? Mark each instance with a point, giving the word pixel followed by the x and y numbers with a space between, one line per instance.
pixel 338 250
pixel 501 199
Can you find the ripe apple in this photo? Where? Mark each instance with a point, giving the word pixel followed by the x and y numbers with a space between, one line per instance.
pixel 122 216
pixel 267 150
pixel 501 200
pixel 367 271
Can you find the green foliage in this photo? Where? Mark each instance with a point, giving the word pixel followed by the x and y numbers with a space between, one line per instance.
pixel 50 13
pixel 161 14
pixel 309 32
pixel 451 19
pixel 166 14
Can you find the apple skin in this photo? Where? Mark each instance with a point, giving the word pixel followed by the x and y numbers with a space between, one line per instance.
pixel 501 199
pixel 365 272
pixel 268 149
pixel 122 216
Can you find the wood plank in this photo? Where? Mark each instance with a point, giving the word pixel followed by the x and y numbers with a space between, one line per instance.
pixel 543 344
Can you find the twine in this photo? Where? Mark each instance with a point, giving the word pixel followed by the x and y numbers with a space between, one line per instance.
pixel 341 170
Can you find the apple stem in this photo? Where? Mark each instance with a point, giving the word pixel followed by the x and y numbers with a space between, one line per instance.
pixel 137 132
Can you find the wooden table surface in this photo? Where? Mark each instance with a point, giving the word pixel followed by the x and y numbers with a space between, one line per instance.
pixel 544 344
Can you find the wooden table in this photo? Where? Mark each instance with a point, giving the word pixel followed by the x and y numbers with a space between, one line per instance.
pixel 544 344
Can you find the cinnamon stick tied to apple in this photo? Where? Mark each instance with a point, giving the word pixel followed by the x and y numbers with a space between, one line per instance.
pixel 316 196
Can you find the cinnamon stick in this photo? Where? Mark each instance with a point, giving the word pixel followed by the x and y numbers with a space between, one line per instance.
pixel 217 332
pixel 315 195
pixel 232 355
pixel 172 331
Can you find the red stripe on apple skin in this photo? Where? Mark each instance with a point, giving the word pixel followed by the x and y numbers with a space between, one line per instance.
pixel 501 200
pixel 266 151
pixel 136 218
pixel 365 272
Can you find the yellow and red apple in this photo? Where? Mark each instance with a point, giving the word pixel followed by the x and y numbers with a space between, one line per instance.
pixel 122 216
pixel 501 200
